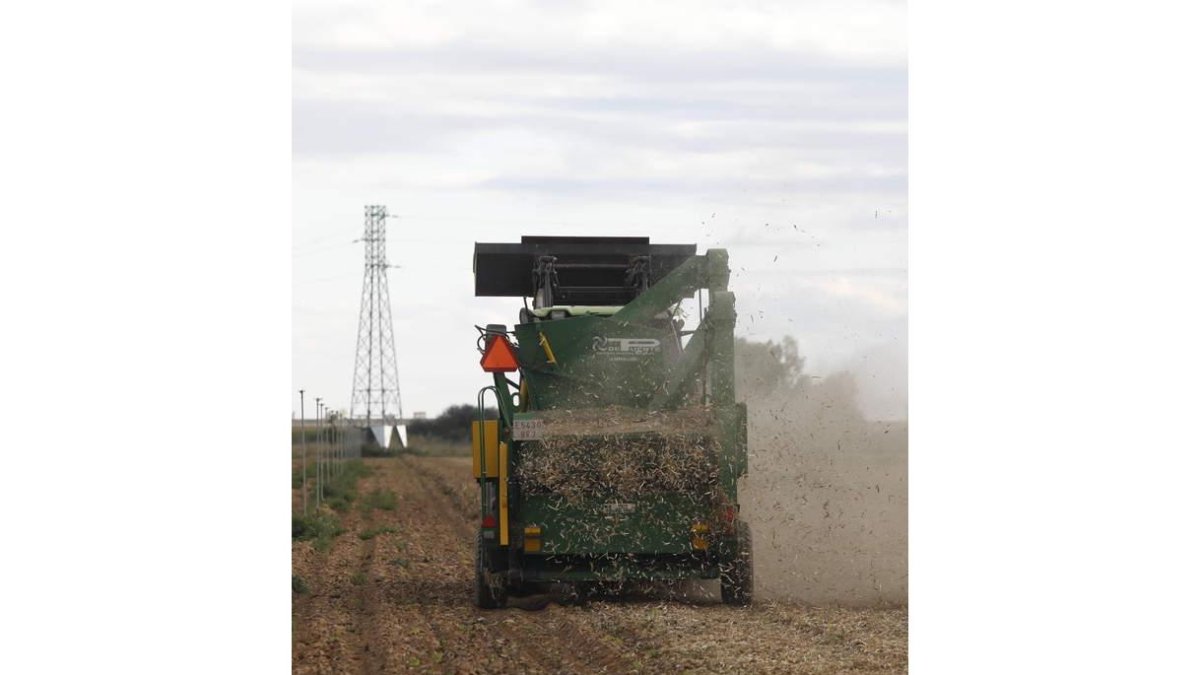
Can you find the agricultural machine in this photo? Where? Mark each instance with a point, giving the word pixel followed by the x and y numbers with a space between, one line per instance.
pixel 617 448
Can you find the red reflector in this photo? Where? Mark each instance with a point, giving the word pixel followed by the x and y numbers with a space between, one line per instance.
pixel 499 356
pixel 489 520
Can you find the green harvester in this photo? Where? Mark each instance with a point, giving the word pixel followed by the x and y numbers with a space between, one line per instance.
pixel 618 445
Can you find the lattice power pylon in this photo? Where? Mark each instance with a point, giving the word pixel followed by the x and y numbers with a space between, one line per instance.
pixel 376 394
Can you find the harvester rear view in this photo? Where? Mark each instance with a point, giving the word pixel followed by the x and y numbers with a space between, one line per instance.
pixel 617 449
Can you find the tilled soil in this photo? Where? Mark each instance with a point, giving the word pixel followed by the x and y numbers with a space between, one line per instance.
pixel 401 601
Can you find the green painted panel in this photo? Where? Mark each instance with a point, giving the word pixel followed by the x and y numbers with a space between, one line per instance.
pixel 653 524
pixel 599 361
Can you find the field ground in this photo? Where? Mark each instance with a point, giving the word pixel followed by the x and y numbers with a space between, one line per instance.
pixel 393 593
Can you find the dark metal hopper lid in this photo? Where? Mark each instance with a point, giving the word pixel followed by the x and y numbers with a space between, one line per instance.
pixel 506 270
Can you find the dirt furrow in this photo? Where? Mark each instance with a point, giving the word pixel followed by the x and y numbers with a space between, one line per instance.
pixel 394 593
pixel 494 635
pixel 587 649
pixel 328 615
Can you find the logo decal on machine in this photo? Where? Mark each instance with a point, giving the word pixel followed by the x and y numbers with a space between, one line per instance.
pixel 606 345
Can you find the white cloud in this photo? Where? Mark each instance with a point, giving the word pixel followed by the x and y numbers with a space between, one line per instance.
pixel 889 299
pixel 483 123
pixel 868 31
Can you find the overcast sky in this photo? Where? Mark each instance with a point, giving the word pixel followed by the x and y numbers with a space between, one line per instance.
pixel 775 130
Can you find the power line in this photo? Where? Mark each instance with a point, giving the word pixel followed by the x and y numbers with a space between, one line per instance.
pixel 317 240
pixel 323 280
pixel 330 247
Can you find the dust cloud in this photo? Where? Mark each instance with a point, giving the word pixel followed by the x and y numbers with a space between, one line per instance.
pixel 827 491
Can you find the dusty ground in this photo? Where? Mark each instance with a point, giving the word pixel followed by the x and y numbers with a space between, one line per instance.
pixel 829 508
pixel 402 601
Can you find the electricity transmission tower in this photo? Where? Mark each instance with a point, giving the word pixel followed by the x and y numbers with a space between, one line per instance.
pixel 376 394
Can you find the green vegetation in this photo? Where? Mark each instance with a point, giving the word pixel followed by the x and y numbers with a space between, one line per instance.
pixel 342 488
pixel 380 499
pixel 298 472
pixel 767 367
pixel 320 528
pixel 372 532
pixel 298 585
pixel 453 426
pixel 359 578
pixel 772 376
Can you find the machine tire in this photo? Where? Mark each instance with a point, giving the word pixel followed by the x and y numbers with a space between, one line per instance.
pixel 488 595
pixel 737 575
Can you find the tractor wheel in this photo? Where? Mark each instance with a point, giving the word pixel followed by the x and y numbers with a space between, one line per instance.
pixel 737 575
pixel 488 595
pixel 577 594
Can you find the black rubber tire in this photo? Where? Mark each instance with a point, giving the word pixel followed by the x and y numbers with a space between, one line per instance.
pixel 578 594
pixel 488 595
pixel 737 575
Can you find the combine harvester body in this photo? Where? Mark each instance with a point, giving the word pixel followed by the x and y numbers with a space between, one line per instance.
pixel 619 443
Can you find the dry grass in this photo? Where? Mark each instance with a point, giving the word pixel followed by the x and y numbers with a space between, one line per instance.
pixel 621 452
pixel 615 420
pixel 576 467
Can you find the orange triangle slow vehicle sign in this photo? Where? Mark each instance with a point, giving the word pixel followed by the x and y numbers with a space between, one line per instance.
pixel 498 356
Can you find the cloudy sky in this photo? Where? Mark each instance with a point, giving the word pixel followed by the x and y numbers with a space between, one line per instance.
pixel 776 130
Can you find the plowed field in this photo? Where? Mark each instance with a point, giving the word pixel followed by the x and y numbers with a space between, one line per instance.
pixel 401 601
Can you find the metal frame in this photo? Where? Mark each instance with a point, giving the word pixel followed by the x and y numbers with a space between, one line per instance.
pixel 376 385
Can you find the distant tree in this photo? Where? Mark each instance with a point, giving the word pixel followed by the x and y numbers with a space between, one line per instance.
pixel 769 367
pixel 454 424
pixel 774 372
